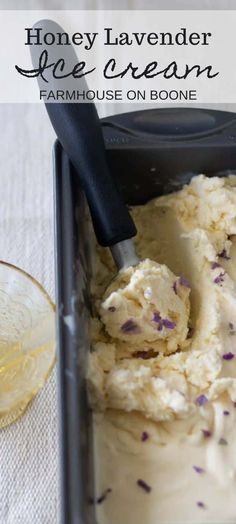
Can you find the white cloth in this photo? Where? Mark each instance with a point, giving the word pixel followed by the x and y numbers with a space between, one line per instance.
pixel 28 448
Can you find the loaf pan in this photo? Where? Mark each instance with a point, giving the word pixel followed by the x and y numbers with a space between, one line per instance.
pixel 150 153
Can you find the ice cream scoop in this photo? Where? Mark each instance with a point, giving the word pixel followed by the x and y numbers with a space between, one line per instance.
pixel 79 130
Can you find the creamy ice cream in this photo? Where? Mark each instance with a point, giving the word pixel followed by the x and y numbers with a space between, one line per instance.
pixel 147 303
pixel 187 473
pixel 174 381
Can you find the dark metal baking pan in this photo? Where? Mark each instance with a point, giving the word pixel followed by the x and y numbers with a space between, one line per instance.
pixel 150 153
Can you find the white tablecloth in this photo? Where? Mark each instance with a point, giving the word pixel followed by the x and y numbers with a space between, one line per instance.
pixel 28 448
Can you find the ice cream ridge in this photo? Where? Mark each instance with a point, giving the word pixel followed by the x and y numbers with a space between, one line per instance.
pixel 162 370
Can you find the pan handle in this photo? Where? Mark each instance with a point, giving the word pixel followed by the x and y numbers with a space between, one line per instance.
pixel 171 124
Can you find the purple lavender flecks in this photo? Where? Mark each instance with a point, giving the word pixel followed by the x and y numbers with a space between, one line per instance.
pixel 130 327
pixel 169 324
pixel 206 433
pixel 198 469
pixel 103 496
pixel 214 265
pixel 219 279
pixel 224 255
pixel 184 282
pixel 156 317
pixel 145 436
pixel 228 356
pixel 201 400
pixel 163 322
pixel 142 484
pixel 201 504
pixel 226 413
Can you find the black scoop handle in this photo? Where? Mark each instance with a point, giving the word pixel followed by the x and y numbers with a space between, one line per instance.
pixel 78 129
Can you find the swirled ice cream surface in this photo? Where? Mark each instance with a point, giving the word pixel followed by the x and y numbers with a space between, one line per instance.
pixel 162 370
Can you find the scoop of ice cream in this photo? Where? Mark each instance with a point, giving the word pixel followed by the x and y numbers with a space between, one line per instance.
pixel 147 303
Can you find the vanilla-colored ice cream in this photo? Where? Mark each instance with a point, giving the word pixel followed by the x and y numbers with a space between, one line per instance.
pixel 147 303
pixel 163 363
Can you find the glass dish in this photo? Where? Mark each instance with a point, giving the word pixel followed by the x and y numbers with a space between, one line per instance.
pixel 27 340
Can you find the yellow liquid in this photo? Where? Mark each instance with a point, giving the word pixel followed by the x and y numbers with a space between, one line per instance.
pixel 22 373
pixel 8 353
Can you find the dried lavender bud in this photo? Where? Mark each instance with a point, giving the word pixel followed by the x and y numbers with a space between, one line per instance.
pixel 103 496
pixel 223 442
pixel 169 324
pixel 184 282
pixel 228 356
pixel 214 265
pixel 163 322
pixel 198 469
pixel 201 400
pixel 201 504
pixel 130 327
pixel 145 436
pixel 206 433
pixel 112 309
pixel 219 279
pixel 226 413
pixel 142 484
pixel 224 255
pixel 156 317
